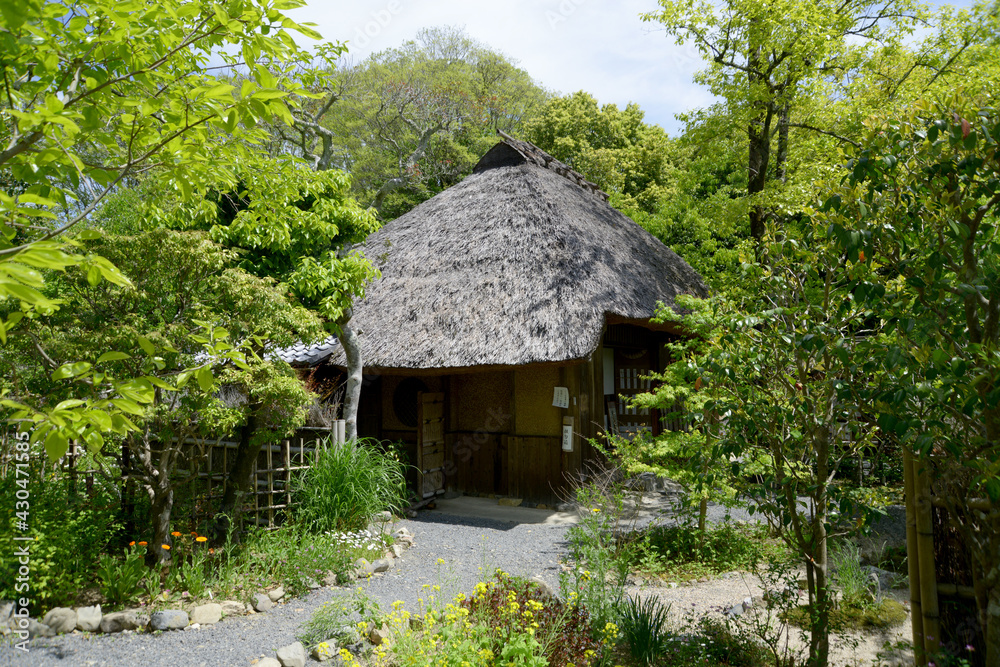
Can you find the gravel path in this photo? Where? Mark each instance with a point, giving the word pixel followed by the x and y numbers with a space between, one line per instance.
pixel 464 544
pixel 468 548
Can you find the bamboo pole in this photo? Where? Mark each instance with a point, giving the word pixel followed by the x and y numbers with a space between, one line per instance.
pixel 925 545
pixel 270 487
pixel 913 560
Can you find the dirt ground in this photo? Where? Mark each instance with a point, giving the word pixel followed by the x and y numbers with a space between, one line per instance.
pixel 714 597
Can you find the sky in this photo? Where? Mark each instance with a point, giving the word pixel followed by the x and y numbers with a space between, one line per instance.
pixel 600 46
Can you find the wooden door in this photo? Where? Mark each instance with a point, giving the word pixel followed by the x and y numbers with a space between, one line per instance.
pixel 430 444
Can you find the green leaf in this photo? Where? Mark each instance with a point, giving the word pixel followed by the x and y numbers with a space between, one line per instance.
pixel 113 356
pixel 56 444
pixel 205 379
pixel 146 346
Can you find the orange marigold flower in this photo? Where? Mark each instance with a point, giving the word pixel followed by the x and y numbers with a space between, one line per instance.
pixel 176 533
pixel 201 539
pixel 211 551
pixel 132 543
pixel 166 546
pixel 142 544
pixel 195 533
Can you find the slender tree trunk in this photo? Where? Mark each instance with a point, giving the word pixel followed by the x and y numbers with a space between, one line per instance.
pixel 819 640
pixel 238 477
pixel 161 498
pixel 758 145
pixel 781 159
pixel 352 395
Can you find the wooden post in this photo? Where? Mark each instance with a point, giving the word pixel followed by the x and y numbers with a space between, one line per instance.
pixel 288 476
pixel 913 560
pixel 925 547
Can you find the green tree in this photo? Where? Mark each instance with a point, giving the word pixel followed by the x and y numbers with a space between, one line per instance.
pixel 920 208
pixel 410 121
pixel 297 226
pixel 613 147
pixel 200 324
pixel 765 59
pixel 97 92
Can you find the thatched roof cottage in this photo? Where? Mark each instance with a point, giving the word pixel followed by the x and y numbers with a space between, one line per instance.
pixel 512 313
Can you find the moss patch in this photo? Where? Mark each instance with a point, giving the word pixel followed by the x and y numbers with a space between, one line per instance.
pixel 851 617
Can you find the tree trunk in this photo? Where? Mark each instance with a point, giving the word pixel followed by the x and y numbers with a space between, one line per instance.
pixel 352 395
pixel 238 477
pixel 781 159
pixel 819 640
pixel 161 498
pixel 992 631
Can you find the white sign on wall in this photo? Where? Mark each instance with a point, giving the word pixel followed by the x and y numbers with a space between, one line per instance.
pixel 560 397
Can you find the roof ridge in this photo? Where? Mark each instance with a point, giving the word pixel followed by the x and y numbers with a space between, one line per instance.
pixel 537 156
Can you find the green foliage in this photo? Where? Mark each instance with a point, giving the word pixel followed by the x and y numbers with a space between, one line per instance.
pixel 625 157
pixel 337 619
pixel 410 121
pixel 347 484
pixel 537 626
pixel 597 582
pixel 857 588
pixel 685 552
pixel 287 223
pixel 120 578
pixel 846 616
pixel 643 624
pixel 97 92
pixel 69 531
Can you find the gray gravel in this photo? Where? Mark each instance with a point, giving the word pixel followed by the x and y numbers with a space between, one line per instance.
pixel 464 544
pixel 467 546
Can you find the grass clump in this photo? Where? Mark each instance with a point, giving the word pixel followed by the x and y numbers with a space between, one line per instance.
pixel 685 553
pixel 643 624
pixel 884 614
pixel 348 483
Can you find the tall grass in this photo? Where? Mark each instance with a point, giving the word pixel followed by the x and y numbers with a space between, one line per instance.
pixel 347 484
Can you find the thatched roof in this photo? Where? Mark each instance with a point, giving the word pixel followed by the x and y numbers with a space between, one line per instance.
pixel 522 262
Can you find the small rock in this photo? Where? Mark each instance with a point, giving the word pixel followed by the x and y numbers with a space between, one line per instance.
pixel 403 530
pixel 382 517
pixel 61 620
pixel 170 619
pixel 411 514
pixel 6 611
pixel 325 650
pixel 119 621
pixel 673 584
pixel 276 594
pixel 510 502
pixel 206 614
pixel 36 629
pixel 379 635
pixel 330 579
pixel 267 662
pixel 88 619
pixel 545 588
pixel 565 507
pixel 193 626
pixel 735 611
pixel 293 655
pixel 747 603
pixel 381 565
pixel 311 583
pixel 703 580
pixel 233 608
pixel 262 602
pixel 397 550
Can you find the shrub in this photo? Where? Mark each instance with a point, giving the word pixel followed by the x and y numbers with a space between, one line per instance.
pixel 514 607
pixel 683 552
pixel 347 484
pixel 70 527
pixel 120 579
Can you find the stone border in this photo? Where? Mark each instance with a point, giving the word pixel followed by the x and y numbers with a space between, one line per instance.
pixel 62 620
